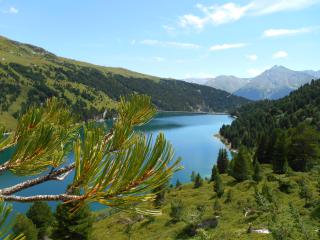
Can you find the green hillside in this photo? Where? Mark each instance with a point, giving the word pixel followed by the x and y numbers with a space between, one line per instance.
pixel 29 74
pixel 258 120
pixel 242 205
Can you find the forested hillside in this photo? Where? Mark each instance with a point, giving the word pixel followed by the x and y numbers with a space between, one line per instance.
pixel 29 75
pixel 262 118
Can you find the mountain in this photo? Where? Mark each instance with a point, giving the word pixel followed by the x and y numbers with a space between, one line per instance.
pixel 30 74
pixel 263 117
pixel 227 83
pixel 313 73
pixel 274 83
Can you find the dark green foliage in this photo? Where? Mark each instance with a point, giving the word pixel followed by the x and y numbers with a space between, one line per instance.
pixel 303 151
pixel 262 118
pixel 261 152
pixel 42 217
pixel 257 174
pixel 241 165
pixel 176 211
pixel 305 192
pixel 25 226
pixel 160 195
pixel 286 186
pixel 214 172
pixel 279 154
pixel 178 183
pixel 222 161
pixel 198 181
pixel 72 225
pixel 218 185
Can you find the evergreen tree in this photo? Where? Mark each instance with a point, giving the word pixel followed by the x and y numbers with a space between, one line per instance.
pixel 214 172
pixel 257 175
pixel 279 154
pixel 198 181
pixel 222 161
pixel 178 183
pixel 25 226
pixel 241 165
pixel 72 225
pixel 304 149
pixel 218 186
pixel 261 152
pixel 160 195
pixel 42 217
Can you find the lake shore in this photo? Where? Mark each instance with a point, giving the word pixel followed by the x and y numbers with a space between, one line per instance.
pixel 225 142
pixel 200 112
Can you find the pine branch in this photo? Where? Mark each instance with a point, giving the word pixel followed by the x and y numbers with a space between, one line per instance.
pixel 29 183
pixel 36 198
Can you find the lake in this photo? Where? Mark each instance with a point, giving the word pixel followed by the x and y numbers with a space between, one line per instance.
pixel 192 136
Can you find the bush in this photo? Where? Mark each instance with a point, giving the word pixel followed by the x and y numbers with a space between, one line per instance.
pixel 42 217
pixel 176 211
pixel 198 182
pixel 286 186
pixel 25 226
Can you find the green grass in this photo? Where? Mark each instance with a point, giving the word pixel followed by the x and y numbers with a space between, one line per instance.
pixel 231 222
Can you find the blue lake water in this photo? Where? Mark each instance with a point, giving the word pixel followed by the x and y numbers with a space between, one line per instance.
pixel 192 136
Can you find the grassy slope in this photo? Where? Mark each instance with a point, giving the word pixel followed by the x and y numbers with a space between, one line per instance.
pixel 39 74
pixel 232 223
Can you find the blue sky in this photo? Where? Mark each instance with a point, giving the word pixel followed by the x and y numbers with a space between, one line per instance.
pixel 172 38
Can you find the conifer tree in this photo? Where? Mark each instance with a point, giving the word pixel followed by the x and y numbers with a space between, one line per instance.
pixel 257 175
pixel 214 172
pixel 25 226
pixel 198 181
pixel 279 154
pixel 222 161
pixel 218 186
pixel 261 152
pixel 72 225
pixel 178 183
pixel 241 165
pixel 42 217
pixel 117 167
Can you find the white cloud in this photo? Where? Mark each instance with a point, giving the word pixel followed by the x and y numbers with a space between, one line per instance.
pixel 13 10
pixel 280 54
pixel 252 57
pixel 261 7
pixel 152 42
pixel 192 20
pixel 216 15
pixel 231 12
pixel 226 46
pixel 286 32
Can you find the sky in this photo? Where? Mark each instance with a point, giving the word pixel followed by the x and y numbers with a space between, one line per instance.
pixel 172 38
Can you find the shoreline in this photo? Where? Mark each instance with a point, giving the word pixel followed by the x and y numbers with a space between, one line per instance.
pixel 190 112
pixel 225 142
